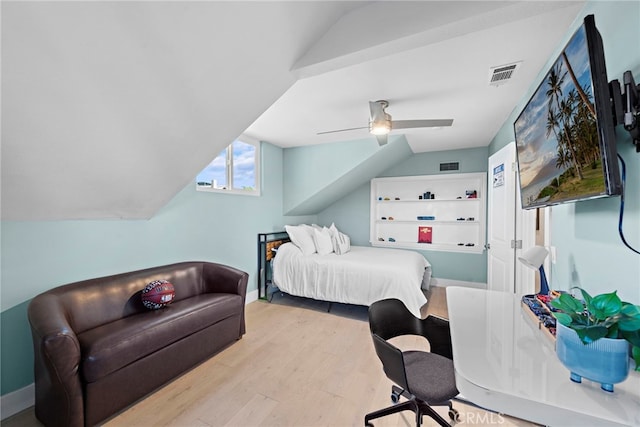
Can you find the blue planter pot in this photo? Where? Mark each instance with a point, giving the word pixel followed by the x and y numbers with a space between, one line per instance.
pixel 605 361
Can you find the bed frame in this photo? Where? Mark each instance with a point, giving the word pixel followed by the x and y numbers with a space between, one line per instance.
pixel 267 242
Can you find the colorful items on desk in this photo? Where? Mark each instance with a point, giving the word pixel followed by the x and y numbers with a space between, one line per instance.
pixel 539 306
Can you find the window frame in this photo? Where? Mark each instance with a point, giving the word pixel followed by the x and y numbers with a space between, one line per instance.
pixel 229 170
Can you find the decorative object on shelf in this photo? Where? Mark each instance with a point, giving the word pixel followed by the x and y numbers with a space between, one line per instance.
pixel 534 258
pixel 471 194
pixel 426 217
pixel 391 239
pixel 425 235
pixel 593 337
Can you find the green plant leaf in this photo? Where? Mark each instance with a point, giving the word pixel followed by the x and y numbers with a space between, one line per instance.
pixel 605 305
pixel 632 336
pixel 585 295
pixel 592 333
pixel 563 318
pixel 630 317
pixel 612 330
pixel 628 323
pixel 635 352
pixel 567 303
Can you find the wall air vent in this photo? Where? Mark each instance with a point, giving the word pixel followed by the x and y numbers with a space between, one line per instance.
pixel 502 74
pixel 451 166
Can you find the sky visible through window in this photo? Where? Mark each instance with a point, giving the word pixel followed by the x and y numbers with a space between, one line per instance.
pixel 243 168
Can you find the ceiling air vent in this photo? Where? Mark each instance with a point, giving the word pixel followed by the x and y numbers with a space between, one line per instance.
pixel 502 74
pixel 451 166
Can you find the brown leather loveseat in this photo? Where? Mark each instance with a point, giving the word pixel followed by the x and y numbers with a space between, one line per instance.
pixel 97 349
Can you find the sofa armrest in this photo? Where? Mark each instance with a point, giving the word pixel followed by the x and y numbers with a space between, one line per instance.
pixel 224 279
pixel 56 364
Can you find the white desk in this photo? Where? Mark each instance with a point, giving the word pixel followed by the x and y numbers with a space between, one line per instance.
pixel 504 363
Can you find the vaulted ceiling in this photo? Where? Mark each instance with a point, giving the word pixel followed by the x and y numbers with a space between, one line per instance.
pixel 110 108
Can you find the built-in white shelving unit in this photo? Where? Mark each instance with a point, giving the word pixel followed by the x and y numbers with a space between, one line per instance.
pixel 456 202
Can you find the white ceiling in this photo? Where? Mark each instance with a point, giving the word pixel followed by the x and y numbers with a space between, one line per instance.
pixel 429 59
pixel 109 109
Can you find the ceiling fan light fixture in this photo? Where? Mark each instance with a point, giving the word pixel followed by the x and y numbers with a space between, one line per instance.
pixel 382 127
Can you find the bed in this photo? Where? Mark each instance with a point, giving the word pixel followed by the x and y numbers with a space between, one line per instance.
pixel 360 276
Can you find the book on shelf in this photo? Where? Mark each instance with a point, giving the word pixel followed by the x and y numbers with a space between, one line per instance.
pixel 425 234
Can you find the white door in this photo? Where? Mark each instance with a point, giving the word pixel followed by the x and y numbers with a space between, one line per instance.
pixel 501 219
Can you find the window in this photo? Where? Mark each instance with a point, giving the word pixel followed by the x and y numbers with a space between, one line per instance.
pixel 235 170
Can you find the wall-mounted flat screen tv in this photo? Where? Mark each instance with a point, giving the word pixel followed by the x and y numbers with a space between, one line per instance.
pixel 565 137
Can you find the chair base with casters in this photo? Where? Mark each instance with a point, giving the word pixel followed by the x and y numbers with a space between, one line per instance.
pixel 425 379
pixel 412 404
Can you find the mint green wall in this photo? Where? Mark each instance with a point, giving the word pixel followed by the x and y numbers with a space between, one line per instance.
pixel 318 175
pixel 37 256
pixel 590 252
pixel 351 213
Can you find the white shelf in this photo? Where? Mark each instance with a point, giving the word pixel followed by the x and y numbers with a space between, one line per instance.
pixel 428 201
pixel 430 246
pixel 451 202
pixel 424 221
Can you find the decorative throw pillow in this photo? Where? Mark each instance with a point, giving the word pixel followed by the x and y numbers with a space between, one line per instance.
pixel 333 230
pixel 301 238
pixel 158 294
pixel 323 242
pixel 343 244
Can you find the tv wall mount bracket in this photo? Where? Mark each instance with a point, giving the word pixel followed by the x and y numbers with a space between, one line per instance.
pixel 625 106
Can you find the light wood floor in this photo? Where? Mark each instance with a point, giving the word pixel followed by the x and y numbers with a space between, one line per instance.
pixel 297 365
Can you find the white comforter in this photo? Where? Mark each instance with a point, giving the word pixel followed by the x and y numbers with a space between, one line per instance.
pixel 361 276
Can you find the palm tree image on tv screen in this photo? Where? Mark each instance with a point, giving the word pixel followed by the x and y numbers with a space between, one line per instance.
pixel 557 134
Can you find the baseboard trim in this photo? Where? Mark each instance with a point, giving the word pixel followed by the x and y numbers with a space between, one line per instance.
pixel 17 401
pixel 251 297
pixel 435 281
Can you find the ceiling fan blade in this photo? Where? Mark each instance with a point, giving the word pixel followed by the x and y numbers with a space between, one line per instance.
pixel 341 130
pixel 427 123
pixel 382 139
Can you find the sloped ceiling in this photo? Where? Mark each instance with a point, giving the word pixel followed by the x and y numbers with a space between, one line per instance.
pixel 110 108
pixel 430 60
pixel 344 166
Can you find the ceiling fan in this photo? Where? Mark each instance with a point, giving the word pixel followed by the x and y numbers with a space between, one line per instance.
pixel 380 123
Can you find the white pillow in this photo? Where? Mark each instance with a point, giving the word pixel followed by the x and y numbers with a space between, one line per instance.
pixel 342 244
pixel 334 235
pixel 323 241
pixel 301 238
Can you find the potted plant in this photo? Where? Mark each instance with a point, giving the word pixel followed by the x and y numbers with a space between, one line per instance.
pixel 594 336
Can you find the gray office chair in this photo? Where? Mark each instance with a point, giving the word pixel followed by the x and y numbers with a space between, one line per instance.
pixel 425 379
